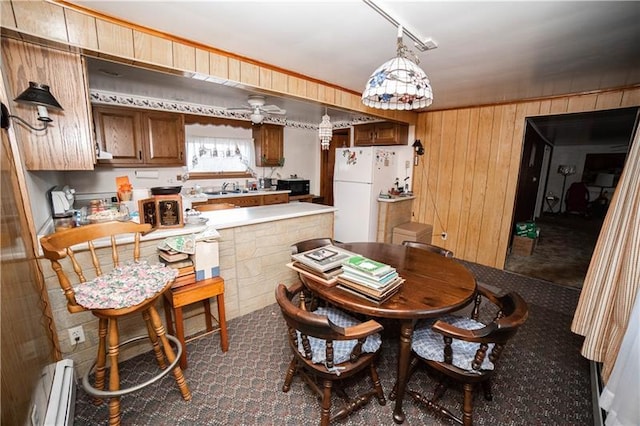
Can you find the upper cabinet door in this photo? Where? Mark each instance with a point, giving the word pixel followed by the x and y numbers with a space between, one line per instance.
pixel 391 134
pixel 164 134
pixel 269 143
pixel 119 132
pixel 140 137
pixel 385 133
pixel 363 134
pixel 67 144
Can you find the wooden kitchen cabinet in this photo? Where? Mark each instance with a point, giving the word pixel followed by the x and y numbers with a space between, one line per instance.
pixel 249 200
pixel 67 143
pixel 386 133
pixel 275 199
pixel 239 201
pixel 119 132
pixel 164 137
pixel 269 143
pixel 140 137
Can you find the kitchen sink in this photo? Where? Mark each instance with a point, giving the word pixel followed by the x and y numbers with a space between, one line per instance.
pixel 236 191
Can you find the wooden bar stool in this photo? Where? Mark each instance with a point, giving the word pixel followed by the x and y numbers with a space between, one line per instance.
pixel 198 291
pixel 120 287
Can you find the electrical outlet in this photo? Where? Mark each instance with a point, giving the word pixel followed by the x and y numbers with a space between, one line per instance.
pixel 407 164
pixel 444 235
pixel 76 335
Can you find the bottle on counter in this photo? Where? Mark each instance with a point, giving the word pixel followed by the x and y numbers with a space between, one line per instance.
pixel 64 221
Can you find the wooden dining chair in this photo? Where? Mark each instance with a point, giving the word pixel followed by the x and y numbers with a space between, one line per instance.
pixel 102 282
pixel 465 350
pixel 430 247
pixel 306 245
pixel 313 243
pixel 329 346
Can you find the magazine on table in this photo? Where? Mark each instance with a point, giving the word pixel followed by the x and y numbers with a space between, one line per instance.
pixel 327 275
pixel 374 299
pixel 356 275
pixel 367 266
pixel 323 259
pixel 370 291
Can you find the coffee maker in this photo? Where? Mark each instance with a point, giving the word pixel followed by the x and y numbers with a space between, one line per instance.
pixel 61 200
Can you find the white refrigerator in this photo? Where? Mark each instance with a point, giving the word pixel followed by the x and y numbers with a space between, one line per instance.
pixel 360 175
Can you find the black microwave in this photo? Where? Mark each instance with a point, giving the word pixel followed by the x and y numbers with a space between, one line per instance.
pixel 296 186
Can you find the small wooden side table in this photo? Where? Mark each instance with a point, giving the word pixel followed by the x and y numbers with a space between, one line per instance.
pixel 199 291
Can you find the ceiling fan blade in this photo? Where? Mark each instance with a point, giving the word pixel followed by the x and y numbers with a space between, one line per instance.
pixel 273 109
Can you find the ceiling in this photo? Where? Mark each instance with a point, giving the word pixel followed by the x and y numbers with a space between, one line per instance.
pixel 488 52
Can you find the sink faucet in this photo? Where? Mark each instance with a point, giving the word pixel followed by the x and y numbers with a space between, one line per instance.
pixel 224 186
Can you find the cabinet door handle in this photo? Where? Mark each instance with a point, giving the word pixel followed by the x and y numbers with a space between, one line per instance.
pixel 140 155
pixel 181 155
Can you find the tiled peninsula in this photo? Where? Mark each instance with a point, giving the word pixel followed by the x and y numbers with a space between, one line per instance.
pixel 254 247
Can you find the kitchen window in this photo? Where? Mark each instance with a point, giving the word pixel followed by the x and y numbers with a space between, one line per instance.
pixel 212 157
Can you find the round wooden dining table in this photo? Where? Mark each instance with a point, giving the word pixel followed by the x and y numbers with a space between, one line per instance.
pixel 434 285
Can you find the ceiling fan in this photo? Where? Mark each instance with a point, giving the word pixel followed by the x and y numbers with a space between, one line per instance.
pixel 258 109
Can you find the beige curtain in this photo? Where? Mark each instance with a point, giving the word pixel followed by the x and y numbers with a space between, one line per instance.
pixel 613 278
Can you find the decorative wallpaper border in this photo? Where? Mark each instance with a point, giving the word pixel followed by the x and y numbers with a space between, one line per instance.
pixel 102 97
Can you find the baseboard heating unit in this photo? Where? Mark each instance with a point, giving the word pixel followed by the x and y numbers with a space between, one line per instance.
pixel 54 398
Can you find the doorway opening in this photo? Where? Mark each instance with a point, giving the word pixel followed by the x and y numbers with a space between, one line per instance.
pixel 339 139
pixel 569 169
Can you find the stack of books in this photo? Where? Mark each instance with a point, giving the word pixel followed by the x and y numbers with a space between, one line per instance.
pixel 367 278
pixel 324 262
pixel 180 261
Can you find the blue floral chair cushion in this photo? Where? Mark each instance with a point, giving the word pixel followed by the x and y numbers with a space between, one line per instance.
pixel 125 286
pixel 341 348
pixel 430 345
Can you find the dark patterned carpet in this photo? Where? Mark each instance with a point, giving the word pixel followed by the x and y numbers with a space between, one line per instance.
pixel 563 251
pixel 542 379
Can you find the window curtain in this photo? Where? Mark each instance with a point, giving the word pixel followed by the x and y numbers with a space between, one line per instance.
pixel 613 278
pixel 207 154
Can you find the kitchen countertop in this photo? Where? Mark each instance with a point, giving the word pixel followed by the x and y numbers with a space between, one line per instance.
pixel 229 218
pixel 395 199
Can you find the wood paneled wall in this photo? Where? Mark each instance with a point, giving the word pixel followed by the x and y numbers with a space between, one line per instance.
pixel 466 181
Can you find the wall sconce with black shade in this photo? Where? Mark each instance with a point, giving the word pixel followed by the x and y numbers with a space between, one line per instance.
pixel 36 94
pixel 418 149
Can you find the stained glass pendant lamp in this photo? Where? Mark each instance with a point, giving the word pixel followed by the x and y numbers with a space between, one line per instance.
pixel 398 84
